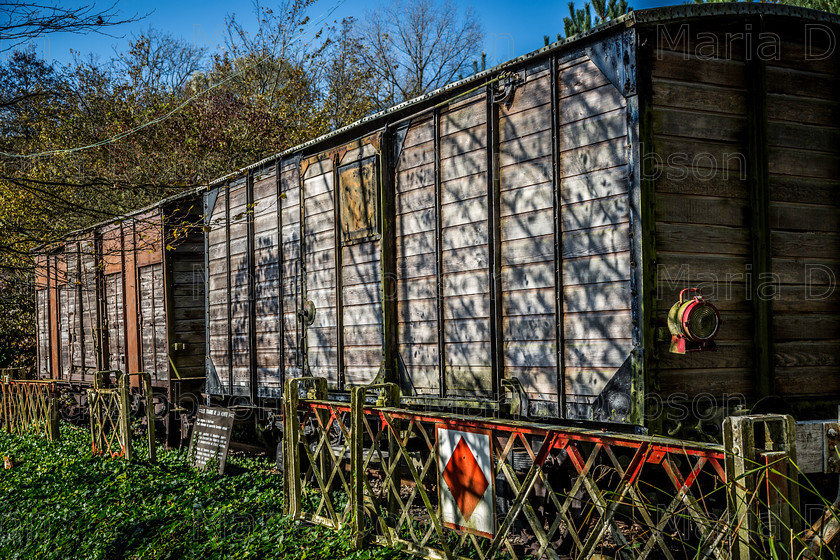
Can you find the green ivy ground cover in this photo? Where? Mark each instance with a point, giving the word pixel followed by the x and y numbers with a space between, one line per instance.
pixel 58 502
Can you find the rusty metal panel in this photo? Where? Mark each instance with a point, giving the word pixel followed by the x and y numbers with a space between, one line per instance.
pixel 359 191
pixel 41 272
pixel 56 278
pixel 148 238
pixel 112 248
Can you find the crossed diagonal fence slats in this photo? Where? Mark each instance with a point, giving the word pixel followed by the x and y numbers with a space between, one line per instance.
pixel 30 407
pixel 559 492
pixel 110 421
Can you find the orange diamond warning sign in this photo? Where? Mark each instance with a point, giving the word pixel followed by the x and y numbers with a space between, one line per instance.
pixel 464 478
pixel 466 491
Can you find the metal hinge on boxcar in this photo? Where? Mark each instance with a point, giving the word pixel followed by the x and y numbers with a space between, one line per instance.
pixel 519 402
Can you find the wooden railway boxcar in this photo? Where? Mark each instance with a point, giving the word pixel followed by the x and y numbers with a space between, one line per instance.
pixel 67 310
pixel 127 295
pixel 524 232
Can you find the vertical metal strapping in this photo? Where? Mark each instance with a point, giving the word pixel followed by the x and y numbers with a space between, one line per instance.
pixel 494 245
pixel 252 286
pixel 387 257
pixel 560 354
pixel 439 259
pixel 339 277
pixel 759 192
pixel 168 301
pixel 208 214
pixel 642 199
pixel 48 324
pixel 303 343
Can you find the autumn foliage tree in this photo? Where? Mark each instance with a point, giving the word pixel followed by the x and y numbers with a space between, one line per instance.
pixel 88 140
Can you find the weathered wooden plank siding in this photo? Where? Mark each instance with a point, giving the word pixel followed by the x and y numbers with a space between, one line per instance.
pixel 42 288
pixel 594 221
pixel 702 203
pixel 417 305
pixel 527 237
pixel 42 310
pixel 267 280
pixel 155 359
pixel 217 291
pixel 291 265
pixel 320 265
pixel 803 136
pixel 115 317
pixel 65 322
pixel 240 295
pixel 89 304
pixel 465 249
pixel 113 297
pixel 75 312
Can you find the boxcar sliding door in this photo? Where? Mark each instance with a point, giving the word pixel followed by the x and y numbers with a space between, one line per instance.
pixel 341 264
pixel 291 270
pixel 114 316
pixel 518 274
pixel 319 258
pixel 228 296
pixel 153 322
pixel 113 298
pixel 361 271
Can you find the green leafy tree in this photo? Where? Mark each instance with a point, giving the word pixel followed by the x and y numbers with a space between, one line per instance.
pixel 581 20
pixel 832 6
pixel 89 140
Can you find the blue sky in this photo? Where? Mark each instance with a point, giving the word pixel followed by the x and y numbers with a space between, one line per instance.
pixel 511 28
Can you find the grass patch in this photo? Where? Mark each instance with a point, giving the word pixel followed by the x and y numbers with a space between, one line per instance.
pixel 58 502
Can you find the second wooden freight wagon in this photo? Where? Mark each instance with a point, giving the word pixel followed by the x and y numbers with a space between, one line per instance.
pixel 128 295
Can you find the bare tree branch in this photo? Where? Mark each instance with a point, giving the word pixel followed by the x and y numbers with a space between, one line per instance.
pixel 23 21
pixel 416 46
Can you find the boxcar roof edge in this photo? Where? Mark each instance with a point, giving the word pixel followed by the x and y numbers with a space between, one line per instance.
pixel 637 17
